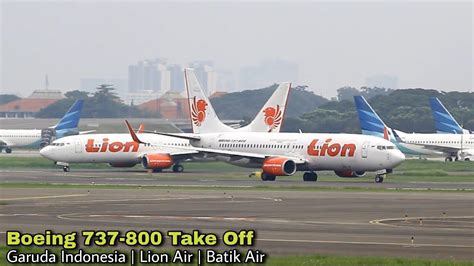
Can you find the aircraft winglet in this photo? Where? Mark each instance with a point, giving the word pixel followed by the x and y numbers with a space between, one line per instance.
pixel 132 133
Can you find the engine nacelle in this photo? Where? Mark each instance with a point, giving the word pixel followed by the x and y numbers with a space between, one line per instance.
pixel 153 161
pixel 122 165
pixel 278 166
pixel 349 173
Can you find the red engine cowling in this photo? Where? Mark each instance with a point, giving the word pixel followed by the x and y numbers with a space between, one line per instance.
pixel 124 165
pixel 279 166
pixel 349 173
pixel 153 161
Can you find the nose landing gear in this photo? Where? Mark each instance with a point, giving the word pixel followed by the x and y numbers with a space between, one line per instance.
pixel 379 178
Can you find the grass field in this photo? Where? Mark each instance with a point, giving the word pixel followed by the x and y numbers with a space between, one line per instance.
pixel 301 260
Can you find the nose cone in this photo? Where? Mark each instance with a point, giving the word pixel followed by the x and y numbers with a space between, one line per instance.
pixel 47 152
pixel 398 157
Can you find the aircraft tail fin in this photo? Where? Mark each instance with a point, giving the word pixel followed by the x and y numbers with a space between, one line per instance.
pixel 270 117
pixel 370 122
pixel 70 120
pixel 203 116
pixel 444 121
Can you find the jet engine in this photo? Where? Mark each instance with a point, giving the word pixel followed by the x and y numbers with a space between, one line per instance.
pixel 349 173
pixel 278 166
pixel 153 161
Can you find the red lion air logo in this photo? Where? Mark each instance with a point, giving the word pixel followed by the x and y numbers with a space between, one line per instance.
pixel 273 117
pixel 198 111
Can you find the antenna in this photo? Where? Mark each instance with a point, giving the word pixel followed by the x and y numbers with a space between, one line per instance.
pixel 46 82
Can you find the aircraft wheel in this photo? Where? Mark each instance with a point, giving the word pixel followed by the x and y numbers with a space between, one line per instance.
pixel 157 170
pixel 66 169
pixel 178 168
pixel 378 178
pixel 268 177
pixel 8 150
pixel 467 160
pixel 448 159
pixel 310 176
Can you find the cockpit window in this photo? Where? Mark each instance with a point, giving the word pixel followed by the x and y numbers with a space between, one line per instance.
pixel 382 147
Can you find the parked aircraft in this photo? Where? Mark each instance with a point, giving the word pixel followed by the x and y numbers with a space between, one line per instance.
pixel 444 121
pixel 452 146
pixel 33 138
pixel 119 150
pixel 282 154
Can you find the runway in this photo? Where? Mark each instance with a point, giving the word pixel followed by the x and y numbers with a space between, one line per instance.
pixel 114 176
pixel 287 222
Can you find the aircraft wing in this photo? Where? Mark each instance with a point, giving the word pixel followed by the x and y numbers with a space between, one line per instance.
pixel 447 150
pixel 249 155
pixel 86 132
pixel 195 150
pixel 172 151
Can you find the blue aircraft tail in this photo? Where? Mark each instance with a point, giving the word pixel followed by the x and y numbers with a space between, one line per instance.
pixel 444 121
pixel 370 122
pixel 70 120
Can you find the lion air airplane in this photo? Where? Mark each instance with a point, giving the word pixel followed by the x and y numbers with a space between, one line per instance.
pixel 119 150
pixel 457 146
pixel 282 154
pixel 35 138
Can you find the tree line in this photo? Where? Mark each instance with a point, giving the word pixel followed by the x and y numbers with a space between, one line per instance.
pixel 404 109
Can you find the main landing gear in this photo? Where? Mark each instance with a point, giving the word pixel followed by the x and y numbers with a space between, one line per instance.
pixel 66 169
pixel 310 176
pixel 178 168
pixel 379 178
pixel 267 177
pixel 7 150
pixel 450 159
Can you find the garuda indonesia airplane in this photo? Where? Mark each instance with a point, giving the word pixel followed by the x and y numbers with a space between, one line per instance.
pixel 36 138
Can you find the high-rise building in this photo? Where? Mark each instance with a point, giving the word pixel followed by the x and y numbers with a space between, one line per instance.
pixel 176 78
pixel 147 75
pixel 204 70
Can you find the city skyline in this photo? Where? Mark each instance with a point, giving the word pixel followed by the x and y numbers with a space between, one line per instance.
pixel 426 45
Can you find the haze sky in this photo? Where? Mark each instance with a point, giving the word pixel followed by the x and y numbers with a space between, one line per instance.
pixel 335 44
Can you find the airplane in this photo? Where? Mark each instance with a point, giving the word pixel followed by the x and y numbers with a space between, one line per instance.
pixel 282 154
pixel 457 146
pixel 34 138
pixel 119 150
pixel 444 121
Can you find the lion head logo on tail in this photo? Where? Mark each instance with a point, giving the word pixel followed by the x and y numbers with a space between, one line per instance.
pixel 273 117
pixel 198 111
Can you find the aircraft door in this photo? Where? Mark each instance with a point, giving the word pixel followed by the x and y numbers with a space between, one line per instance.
pixel 365 148
pixel 78 145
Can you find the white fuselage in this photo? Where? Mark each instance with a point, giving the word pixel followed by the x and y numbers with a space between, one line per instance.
pixel 20 137
pixel 415 142
pixel 107 148
pixel 341 152
pixel 321 151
